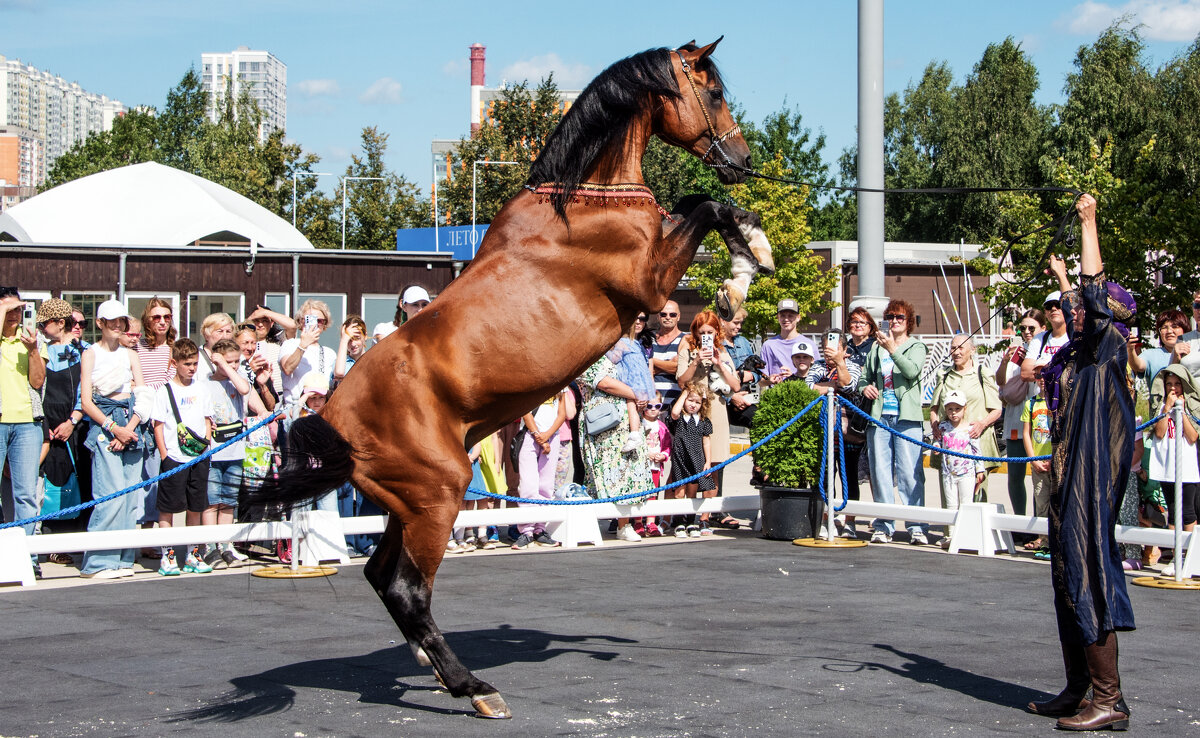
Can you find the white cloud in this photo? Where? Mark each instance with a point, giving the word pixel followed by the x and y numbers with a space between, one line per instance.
pixel 1161 20
pixel 535 69
pixel 383 91
pixel 456 67
pixel 319 87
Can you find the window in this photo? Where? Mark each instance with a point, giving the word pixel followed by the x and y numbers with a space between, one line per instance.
pixel 203 304
pixel 378 309
pixel 88 302
pixel 280 302
pixel 135 303
pixel 331 337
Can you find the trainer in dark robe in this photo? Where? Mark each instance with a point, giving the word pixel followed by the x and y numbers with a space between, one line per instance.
pixel 1092 437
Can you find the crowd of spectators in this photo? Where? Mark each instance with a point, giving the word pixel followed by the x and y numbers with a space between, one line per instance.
pixel 83 420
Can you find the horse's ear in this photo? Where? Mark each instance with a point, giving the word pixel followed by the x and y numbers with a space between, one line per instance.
pixel 688 46
pixel 707 50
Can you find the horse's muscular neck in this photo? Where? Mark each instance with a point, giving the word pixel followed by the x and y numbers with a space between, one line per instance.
pixel 621 161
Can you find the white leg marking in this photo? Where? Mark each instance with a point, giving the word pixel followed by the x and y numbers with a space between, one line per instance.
pixel 759 245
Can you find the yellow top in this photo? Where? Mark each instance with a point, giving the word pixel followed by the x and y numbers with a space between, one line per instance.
pixel 16 406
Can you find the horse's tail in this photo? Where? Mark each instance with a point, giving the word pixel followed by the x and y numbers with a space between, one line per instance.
pixel 316 459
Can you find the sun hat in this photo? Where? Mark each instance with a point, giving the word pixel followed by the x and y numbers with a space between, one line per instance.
pixel 315 382
pixel 414 295
pixel 53 309
pixel 1055 296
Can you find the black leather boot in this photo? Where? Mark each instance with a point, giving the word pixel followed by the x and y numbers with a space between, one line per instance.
pixel 1073 697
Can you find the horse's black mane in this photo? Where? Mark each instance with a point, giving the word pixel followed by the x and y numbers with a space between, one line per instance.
pixel 601 114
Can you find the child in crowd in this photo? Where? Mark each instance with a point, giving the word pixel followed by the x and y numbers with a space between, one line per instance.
pixel 691 450
pixel 463 540
pixel 351 347
pixel 182 419
pixel 232 403
pixel 129 338
pixel 658 450
pixel 960 477
pixel 1035 419
pixel 634 370
pixel 1174 383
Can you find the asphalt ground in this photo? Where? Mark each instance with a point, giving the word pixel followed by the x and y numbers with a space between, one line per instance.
pixel 728 636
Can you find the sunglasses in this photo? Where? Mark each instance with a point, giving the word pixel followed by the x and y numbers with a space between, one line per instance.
pixel 641 318
pixel 1027 328
pixel 1196 306
pixel 668 315
pixel 161 318
pixel 896 316
pixel 81 324
pixel 133 334
pixel 654 406
pixel 1054 305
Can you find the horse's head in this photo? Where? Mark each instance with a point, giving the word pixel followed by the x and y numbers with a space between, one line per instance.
pixel 700 121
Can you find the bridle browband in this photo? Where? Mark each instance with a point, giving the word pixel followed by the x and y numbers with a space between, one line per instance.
pixel 714 139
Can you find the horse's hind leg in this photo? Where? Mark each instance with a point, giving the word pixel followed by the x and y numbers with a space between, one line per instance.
pixel 402 572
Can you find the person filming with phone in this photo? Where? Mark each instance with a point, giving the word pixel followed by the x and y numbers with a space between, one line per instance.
pixel 303 354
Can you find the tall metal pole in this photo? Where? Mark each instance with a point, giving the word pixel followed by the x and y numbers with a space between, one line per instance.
pixel 1177 508
pixel 831 465
pixel 870 159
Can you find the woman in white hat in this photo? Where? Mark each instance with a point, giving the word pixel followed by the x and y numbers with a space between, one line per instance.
pixel 109 374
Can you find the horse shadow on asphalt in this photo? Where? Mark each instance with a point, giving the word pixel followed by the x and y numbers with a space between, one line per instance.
pixel 926 670
pixel 381 677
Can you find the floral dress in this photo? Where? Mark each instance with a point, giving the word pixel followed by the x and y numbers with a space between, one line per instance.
pixel 608 472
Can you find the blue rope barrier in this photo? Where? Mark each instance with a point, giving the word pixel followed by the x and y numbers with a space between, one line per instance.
pixel 841 444
pixel 656 490
pixel 141 485
pixel 821 474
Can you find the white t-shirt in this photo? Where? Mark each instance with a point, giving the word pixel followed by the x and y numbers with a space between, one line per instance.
pixel 195 404
pixel 229 406
pixel 1044 346
pixel 545 414
pixel 316 358
pixel 1162 458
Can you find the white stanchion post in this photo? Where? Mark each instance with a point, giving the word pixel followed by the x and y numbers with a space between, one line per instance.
pixel 15 563
pixel 830 463
pixel 1177 419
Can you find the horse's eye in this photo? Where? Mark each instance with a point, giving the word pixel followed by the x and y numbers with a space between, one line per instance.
pixel 716 94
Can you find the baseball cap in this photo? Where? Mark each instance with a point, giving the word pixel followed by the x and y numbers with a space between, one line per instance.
pixel 1055 296
pixel 415 294
pixel 954 397
pixel 53 309
pixel 316 383
pixel 111 310
pixel 804 346
pixel 788 304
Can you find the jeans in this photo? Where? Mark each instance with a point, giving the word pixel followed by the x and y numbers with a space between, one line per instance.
pixel 897 463
pixel 112 471
pixel 21 446
pixel 351 504
pixel 147 498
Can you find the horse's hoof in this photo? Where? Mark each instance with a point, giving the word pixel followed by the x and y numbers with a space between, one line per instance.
pixel 422 658
pixel 437 675
pixel 491 706
pixel 724 306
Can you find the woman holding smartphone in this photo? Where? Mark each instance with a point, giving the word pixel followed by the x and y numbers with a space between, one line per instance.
pixel 703 358
pixel 303 354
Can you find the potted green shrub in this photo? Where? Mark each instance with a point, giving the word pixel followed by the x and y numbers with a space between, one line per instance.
pixel 791 506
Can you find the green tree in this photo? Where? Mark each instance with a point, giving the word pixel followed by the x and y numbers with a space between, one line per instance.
pixel 514 130
pixel 133 139
pixel 799 273
pixel 378 206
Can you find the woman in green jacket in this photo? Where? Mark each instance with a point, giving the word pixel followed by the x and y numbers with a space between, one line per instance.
pixel 892 379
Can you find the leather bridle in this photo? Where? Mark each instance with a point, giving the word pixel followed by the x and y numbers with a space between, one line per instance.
pixel 715 140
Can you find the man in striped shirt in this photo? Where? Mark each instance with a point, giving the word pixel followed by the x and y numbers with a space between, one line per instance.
pixel 665 359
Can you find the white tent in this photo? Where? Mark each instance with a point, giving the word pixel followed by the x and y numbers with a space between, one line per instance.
pixel 146 205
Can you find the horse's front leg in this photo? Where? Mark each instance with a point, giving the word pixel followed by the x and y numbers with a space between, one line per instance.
pixel 749 249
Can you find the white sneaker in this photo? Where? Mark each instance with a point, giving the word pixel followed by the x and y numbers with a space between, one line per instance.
pixel 681 531
pixel 918 539
pixel 633 443
pixel 627 533
pixel 1168 571
pixel 880 537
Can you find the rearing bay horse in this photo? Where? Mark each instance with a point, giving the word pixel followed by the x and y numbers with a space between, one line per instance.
pixel 576 255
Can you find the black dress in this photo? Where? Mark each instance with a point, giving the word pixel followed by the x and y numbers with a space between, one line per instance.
pixel 1092 436
pixel 687 449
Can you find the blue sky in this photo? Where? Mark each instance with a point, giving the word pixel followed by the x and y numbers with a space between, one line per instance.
pixel 403 67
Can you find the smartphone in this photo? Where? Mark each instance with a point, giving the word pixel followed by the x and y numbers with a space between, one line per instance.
pixel 29 318
pixel 706 341
pixel 310 322
pixel 832 340
pixel 885 326
pixel 258 347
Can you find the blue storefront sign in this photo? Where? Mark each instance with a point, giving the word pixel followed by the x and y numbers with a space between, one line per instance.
pixel 453 239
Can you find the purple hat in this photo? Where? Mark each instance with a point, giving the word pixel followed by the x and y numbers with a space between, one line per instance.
pixel 1123 307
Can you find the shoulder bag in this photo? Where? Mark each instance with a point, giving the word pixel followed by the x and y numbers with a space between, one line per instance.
pixel 189 443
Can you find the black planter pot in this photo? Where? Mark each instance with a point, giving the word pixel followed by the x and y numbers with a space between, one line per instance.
pixel 788 513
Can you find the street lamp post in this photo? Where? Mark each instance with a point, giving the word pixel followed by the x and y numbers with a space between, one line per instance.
pixel 344 180
pixel 474 235
pixel 303 174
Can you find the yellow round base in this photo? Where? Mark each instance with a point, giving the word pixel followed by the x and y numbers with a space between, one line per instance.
pixel 1167 583
pixel 824 543
pixel 285 571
